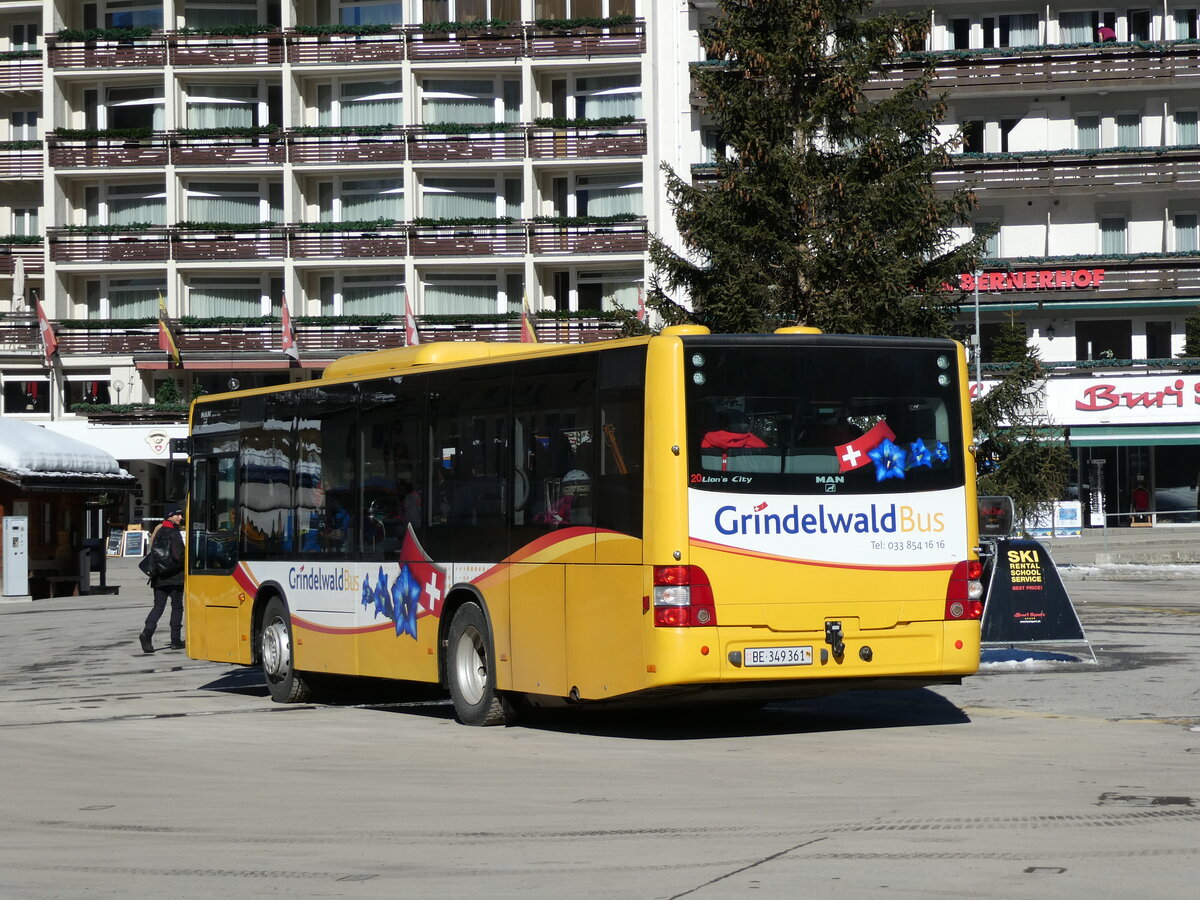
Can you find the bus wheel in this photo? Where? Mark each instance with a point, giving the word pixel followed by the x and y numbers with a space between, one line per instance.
pixel 470 672
pixel 275 650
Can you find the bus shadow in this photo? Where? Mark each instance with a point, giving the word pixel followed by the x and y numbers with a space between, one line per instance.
pixel 849 711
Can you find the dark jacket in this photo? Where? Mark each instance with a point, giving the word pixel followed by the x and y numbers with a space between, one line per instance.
pixel 170 538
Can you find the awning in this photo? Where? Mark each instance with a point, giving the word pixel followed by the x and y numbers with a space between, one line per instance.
pixel 1133 435
pixel 36 458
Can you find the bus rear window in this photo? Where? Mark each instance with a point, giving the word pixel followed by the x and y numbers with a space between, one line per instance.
pixel 853 417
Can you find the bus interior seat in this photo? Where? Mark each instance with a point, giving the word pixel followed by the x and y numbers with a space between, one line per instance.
pixel 810 464
pixel 749 461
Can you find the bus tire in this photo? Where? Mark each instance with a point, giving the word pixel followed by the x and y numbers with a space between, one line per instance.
pixel 275 652
pixel 470 670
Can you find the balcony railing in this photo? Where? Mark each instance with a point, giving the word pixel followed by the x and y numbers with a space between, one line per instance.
pixel 21 74
pixel 197 344
pixel 1107 279
pixel 1094 67
pixel 394 241
pixel 1141 168
pixel 417 143
pixel 408 43
pixel 32 254
pixel 19 160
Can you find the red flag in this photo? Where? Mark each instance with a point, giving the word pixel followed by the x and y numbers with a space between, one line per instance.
pixel 288 338
pixel 412 337
pixel 430 576
pixel 528 332
pixel 641 314
pixel 854 454
pixel 49 341
pixel 166 338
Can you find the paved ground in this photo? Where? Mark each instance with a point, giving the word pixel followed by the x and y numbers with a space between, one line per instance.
pixel 129 775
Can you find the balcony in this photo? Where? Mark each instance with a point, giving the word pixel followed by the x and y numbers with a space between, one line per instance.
pixel 21 70
pixel 623 38
pixel 579 142
pixel 356 241
pixel 202 344
pixel 20 159
pixel 385 145
pixel 1063 69
pixel 1089 280
pixel 32 253
pixel 107 153
pixel 256 150
pixel 1091 170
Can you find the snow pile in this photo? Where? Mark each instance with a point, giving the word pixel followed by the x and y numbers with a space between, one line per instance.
pixel 27 449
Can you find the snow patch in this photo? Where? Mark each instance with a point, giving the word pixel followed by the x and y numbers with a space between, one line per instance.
pixel 27 449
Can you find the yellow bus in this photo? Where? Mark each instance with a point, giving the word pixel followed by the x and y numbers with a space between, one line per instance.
pixel 678 517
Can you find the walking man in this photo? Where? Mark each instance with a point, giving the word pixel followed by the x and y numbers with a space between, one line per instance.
pixel 166 549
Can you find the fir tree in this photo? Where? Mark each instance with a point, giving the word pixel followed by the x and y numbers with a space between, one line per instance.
pixel 823 211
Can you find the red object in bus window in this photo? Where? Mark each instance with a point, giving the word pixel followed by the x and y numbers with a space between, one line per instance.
pixel 728 440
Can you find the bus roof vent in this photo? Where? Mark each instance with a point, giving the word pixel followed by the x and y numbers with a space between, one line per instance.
pixel 798 329
pixel 382 362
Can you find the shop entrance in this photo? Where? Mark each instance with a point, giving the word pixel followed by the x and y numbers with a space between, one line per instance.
pixel 1133 486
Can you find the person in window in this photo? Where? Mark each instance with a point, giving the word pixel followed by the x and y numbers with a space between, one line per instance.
pixel 1139 502
pixel 1105 34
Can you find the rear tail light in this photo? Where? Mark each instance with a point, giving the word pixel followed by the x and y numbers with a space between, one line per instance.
pixel 683 598
pixel 964 593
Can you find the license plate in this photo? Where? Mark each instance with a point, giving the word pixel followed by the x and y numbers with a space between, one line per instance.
pixel 778 656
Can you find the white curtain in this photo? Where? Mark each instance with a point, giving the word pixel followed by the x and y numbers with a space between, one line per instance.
pixel 224 106
pixel 225 297
pixel 134 298
pixel 1129 130
pixel 1185 127
pixel 460 294
pixel 1076 28
pixel 608 96
pixel 609 195
pixel 130 204
pixel 1087 133
pixel 372 13
pixel 224 202
pixel 226 12
pixel 372 199
pixel 1185 233
pixel 367 295
pixel 1112 235
pixel 459 198
pixel 608 291
pixel 371 103
pixel 460 102
pixel 1023 30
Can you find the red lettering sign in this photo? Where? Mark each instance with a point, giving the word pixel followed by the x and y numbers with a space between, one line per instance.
pixel 1043 279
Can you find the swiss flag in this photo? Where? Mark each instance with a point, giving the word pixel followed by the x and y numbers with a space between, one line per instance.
pixel 430 576
pixel 854 454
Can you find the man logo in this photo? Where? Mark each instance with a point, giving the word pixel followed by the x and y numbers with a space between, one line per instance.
pixel 831 479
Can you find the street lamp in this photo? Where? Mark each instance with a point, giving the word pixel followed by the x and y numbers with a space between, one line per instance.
pixel 978 341
pixel 117 387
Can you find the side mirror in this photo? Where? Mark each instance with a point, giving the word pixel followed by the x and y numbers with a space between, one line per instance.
pixel 995 517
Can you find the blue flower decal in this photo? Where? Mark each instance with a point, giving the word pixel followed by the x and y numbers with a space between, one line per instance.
pixel 918 455
pixel 941 452
pixel 368 593
pixel 383 600
pixel 406 595
pixel 888 459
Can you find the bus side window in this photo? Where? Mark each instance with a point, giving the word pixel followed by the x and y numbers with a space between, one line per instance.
pixel 618 484
pixel 326 497
pixel 391 419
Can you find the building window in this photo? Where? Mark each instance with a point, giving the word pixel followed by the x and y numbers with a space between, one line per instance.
pixel 1087 132
pixel 26 395
pixel 608 96
pixel 356 104
pixel 1129 130
pixel 1112 235
pixel 1011 31
pixel 23 125
pixel 202 14
pixel 26 220
pixel 1078 27
pixel 991 247
pixel 470 10
pixel 126 204
pixel 608 291
pixel 959 31
pixel 609 195
pixel 471 293
pixel 1185 128
pixel 469 102
pixel 371 12
pixel 124 298
pixel 90 389
pixel 471 198
pixel 229 296
pixel 972 136
pixel 133 14
pixel 132 107
pixel 237 202
pixel 567 9
pixel 1185 230
pixel 224 106
pixel 1185 25
pixel 1110 339
pixel 25 36
pixel 1138 21
pixel 1158 340
pixel 361 200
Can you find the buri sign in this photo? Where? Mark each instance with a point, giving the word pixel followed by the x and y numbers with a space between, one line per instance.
pixel 1036 280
